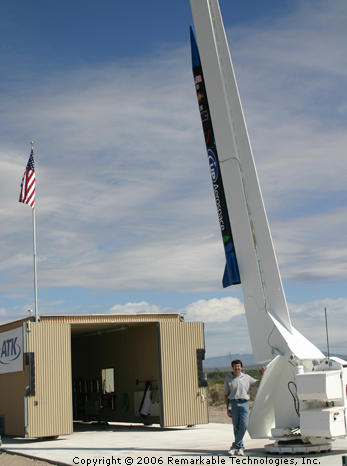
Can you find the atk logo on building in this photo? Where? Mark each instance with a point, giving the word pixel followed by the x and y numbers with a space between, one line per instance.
pixel 11 353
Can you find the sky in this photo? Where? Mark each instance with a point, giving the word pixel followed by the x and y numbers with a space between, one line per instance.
pixel 125 214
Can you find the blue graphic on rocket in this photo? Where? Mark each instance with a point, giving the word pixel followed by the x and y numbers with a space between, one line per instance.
pixel 231 272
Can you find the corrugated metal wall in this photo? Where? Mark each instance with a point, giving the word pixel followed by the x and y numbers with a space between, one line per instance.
pixel 50 410
pixel 12 391
pixel 99 318
pixel 182 404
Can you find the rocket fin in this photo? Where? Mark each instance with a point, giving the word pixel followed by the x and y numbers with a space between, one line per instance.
pixel 226 277
pixel 231 272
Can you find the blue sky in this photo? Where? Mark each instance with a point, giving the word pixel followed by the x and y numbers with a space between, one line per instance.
pixel 125 213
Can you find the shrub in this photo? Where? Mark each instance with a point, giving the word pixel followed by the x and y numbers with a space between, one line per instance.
pixel 215 382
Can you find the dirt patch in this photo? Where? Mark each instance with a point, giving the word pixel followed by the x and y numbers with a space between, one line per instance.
pixel 218 415
pixel 7 459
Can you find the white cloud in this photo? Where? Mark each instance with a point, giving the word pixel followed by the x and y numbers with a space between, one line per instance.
pixel 225 322
pixel 214 310
pixel 137 308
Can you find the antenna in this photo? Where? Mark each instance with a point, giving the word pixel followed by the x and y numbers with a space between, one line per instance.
pixel 326 330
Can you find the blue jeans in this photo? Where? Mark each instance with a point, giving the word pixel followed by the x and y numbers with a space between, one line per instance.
pixel 239 416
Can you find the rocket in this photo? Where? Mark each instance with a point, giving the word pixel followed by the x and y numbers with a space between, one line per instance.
pixel 231 272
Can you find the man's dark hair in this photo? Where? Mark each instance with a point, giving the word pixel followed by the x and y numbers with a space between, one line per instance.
pixel 236 361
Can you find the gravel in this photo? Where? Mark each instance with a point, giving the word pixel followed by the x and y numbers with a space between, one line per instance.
pixel 7 459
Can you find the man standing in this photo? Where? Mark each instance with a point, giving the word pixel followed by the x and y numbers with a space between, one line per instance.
pixel 236 394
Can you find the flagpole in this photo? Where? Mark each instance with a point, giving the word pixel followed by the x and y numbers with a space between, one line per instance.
pixel 35 277
pixel 27 196
pixel 34 249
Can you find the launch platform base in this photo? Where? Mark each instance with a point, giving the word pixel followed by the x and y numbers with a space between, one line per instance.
pixel 297 448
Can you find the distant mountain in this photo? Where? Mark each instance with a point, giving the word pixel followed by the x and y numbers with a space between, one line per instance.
pixel 341 356
pixel 223 362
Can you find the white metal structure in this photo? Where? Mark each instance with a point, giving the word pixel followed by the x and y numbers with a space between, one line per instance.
pixel 280 408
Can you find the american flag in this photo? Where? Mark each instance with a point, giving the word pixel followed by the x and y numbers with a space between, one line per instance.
pixel 198 79
pixel 27 188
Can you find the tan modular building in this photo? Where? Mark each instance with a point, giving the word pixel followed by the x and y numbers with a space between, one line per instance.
pixel 100 368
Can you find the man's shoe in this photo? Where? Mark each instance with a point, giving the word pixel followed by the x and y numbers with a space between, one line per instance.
pixel 232 452
pixel 241 452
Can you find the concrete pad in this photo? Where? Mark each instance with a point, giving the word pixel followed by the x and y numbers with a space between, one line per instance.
pixel 123 444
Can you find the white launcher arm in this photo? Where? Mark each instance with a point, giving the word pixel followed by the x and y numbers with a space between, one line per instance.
pixel 267 314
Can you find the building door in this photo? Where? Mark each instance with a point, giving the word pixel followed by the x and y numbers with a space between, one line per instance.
pixel 183 400
pixel 49 394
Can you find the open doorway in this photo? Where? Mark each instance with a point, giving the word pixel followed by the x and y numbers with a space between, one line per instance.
pixel 111 363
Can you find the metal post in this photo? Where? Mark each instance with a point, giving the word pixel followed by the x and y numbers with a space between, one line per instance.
pixel 35 279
